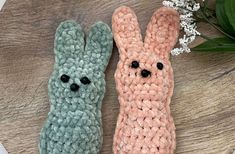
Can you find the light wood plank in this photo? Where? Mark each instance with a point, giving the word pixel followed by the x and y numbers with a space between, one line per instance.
pixel 203 104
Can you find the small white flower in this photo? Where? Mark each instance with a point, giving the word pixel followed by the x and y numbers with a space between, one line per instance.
pixel 187 22
pixel 168 3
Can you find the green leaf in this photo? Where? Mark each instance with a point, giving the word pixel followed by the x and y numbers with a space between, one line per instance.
pixel 216 44
pixel 222 17
pixel 229 6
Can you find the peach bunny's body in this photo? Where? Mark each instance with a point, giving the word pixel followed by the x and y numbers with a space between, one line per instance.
pixel 144 80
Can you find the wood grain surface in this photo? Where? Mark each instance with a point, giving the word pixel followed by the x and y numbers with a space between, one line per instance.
pixel 203 104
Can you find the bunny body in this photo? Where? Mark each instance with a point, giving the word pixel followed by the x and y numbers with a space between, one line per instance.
pixel 144 81
pixel 76 89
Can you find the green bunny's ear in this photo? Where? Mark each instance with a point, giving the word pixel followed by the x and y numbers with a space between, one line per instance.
pixel 99 45
pixel 69 41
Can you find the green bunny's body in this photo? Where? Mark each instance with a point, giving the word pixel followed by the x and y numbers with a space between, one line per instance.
pixel 76 90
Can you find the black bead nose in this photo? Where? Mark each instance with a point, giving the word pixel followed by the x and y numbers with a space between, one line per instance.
pixel 145 73
pixel 74 87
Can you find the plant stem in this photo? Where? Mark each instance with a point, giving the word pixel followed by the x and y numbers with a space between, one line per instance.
pixel 205 3
pixel 204 37
pixel 209 39
pixel 216 27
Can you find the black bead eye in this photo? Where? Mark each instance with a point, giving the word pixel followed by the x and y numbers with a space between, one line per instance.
pixel 135 64
pixel 85 80
pixel 159 65
pixel 64 78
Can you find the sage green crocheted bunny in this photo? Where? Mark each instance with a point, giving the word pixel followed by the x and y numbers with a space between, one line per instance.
pixel 76 89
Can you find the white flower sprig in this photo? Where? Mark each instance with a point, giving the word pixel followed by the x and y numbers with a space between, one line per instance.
pixel 187 22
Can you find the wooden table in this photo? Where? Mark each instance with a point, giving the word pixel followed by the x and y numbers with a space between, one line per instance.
pixel 203 104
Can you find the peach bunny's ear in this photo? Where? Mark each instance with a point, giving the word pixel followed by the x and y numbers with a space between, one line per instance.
pixel 126 29
pixel 162 31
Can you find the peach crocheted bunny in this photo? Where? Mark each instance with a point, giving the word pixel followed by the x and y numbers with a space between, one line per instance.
pixel 144 80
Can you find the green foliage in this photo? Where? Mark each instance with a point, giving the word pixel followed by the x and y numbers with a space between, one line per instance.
pixel 222 17
pixel 225 16
pixel 230 11
pixel 223 44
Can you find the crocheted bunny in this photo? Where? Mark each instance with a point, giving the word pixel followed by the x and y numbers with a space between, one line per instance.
pixel 76 90
pixel 144 81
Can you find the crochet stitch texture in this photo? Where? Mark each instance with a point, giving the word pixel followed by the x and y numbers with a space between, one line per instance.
pixel 76 90
pixel 144 81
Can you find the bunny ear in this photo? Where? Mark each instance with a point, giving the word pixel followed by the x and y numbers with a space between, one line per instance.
pixel 126 29
pixel 162 32
pixel 69 41
pixel 99 45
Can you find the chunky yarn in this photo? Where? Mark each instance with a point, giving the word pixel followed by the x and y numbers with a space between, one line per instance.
pixel 76 89
pixel 144 80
